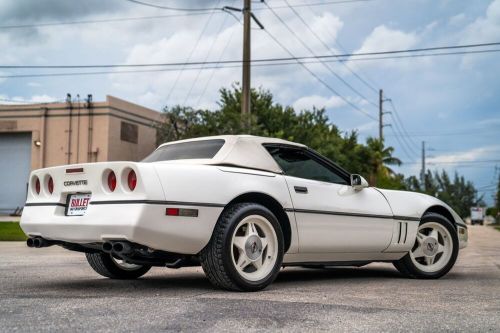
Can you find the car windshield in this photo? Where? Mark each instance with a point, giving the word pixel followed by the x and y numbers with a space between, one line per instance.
pixel 205 149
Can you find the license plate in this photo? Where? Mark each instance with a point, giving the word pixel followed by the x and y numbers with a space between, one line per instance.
pixel 78 204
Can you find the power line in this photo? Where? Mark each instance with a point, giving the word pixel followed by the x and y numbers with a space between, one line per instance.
pixel 110 20
pixel 320 57
pixel 318 78
pixel 448 134
pixel 424 55
pixel 124 19
pixel 325 45
pixel 217 65
pixel 179 74
pixel 398 123
pixel 314 4
pixel 184 9
pixel 334 38
pixel 401 145
pixel 398 119
pixel 465 162
pixel 456 162
pixel 206 57
pixel 403 138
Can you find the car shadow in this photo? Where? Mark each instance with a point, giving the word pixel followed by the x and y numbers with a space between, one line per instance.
pixel 299 274
pixel 148 284
pixel 192 283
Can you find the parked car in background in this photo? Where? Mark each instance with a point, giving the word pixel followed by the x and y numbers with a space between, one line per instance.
pixel 242 207
pixel 477 215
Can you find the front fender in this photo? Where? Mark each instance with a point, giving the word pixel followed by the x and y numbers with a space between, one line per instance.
pixel 412 204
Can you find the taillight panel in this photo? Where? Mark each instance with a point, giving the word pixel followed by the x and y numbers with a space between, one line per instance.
pixel 123 180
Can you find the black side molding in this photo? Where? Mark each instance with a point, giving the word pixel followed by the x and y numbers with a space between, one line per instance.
pixel 156 202
pixel 129 202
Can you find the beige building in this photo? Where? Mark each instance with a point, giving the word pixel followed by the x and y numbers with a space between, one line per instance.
pixel 42 135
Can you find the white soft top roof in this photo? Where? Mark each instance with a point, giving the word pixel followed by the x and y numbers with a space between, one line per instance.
pixel 239 150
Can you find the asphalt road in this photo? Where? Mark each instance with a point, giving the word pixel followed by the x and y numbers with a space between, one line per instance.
pixel 49 290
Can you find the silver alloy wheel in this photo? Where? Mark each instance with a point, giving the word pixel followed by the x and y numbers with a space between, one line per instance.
pixel 254 247
pixel 120 263
pixel 433 247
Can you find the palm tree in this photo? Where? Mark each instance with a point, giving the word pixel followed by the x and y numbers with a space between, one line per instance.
pixel 381 157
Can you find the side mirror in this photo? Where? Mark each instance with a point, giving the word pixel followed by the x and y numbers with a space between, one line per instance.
pixel 358 182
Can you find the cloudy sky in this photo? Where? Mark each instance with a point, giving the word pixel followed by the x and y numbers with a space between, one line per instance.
pixel 450 102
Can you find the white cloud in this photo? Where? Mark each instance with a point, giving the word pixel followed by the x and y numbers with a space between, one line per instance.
pixel 484 29
pixel 307 102
pixel 383 38
pixel 327 27
pixel 5 99
pixel 465 156
pixel 42 99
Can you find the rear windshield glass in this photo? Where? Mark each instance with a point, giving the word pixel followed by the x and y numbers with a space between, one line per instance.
pixel 186 151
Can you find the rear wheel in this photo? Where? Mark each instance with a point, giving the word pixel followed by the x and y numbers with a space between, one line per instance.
pixel 246 249
pixel 106 265
pixel 435 250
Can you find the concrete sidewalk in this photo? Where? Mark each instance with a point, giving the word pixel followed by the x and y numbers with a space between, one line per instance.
pixel 7 218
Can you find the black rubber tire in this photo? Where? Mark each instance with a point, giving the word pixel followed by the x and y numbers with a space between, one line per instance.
pixel 103 264
pixel 405 265
pixel 216 258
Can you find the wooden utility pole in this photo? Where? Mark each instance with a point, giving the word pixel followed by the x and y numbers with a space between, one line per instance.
pixel 381 115
pixel 422 172
pixel 247 41
pixel 247 17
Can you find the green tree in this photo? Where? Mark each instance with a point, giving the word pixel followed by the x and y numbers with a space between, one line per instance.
pixel 495 210
pixel 381 158
pixel 458 193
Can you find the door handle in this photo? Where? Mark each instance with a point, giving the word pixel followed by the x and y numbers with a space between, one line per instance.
pixel 300 189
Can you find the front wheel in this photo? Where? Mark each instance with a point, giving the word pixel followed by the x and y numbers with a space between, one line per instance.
pixel 106 265
pixel 435 250
pixel 246 249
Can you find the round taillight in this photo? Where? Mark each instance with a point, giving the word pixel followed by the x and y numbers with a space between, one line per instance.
pixel 111 181
pixel 50 185
pixel 132 180
pixel 37 185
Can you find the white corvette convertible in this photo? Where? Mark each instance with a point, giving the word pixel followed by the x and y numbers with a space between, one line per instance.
pixel 242 207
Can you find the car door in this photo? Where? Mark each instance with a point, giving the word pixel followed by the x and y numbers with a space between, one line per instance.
pixel 331 215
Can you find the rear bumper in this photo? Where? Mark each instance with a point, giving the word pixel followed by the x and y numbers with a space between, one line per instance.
pixel 142 223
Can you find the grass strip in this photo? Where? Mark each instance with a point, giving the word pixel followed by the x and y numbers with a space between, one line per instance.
pixel 11 231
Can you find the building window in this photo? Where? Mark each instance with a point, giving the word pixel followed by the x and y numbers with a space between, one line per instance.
pixel 129 132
